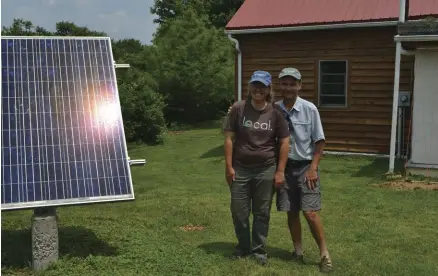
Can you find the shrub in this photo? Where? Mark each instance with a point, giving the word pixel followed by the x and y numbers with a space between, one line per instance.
pixel 142 108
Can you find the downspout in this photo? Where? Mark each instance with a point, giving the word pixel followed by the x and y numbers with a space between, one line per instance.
pixel 395 106
pixel 406 52
pixel 398 52
pixel 239 67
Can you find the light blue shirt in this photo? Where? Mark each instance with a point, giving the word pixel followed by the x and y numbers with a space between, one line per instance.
pixel 307 129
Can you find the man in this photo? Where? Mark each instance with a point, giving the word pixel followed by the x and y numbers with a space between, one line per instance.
pixel 302 188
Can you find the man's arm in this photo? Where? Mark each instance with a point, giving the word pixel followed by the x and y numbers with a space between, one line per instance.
pixel 319 148
pixel 319 139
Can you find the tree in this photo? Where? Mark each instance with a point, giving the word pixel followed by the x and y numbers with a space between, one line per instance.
pixel 142 57
pixel 219 12
pixel 127 46
pixel 65 28
pixel 166 10
pixel 21 27
pixel 142 105
pixel 196 69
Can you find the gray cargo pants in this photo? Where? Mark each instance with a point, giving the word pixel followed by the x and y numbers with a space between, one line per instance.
pixel 252 189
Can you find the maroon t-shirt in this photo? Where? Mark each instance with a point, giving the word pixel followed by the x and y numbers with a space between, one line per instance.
pixel 256 134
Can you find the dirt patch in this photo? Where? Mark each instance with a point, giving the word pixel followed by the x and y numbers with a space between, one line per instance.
pixel 410 185
pixel 190 228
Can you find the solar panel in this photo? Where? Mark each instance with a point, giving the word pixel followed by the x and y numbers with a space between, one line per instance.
pixel 62 139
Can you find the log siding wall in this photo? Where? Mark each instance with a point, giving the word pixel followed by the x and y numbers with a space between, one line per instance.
pixel 364 125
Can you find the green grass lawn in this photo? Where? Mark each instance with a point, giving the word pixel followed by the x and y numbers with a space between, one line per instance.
pixel 370 230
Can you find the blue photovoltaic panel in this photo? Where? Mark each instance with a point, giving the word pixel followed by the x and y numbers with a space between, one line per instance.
pixel 62 139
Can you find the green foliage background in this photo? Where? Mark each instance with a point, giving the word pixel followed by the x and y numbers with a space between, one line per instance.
pixel 185 77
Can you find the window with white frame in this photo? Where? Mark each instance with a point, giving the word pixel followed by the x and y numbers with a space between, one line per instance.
pixel 333 83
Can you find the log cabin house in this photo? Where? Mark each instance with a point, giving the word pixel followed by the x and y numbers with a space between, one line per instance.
pixel 345 51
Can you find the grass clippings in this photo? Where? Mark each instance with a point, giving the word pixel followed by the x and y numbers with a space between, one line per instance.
pixel 190 227
pixel 410 185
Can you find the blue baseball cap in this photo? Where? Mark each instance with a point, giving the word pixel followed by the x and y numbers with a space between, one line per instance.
pixel 261 76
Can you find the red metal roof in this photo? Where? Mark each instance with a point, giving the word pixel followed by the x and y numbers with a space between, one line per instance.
pixel 423 7
pixel 281 13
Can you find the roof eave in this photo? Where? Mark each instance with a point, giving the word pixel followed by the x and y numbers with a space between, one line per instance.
pixel 312 27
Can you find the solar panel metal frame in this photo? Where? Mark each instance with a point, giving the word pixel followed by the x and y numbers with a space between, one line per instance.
pixel 77 200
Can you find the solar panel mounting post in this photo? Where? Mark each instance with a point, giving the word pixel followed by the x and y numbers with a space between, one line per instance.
pixel 121 65
pixel 138 162
pixel 45 242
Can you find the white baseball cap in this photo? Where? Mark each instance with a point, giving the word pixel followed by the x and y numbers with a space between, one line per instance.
pixel 292 72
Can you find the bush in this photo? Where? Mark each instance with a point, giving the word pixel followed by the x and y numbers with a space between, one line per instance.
pixel 142 108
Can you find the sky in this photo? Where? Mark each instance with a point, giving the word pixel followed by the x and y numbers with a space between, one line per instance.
pixel 118 18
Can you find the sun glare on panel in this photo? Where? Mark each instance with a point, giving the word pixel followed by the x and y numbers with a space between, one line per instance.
pixel 107 113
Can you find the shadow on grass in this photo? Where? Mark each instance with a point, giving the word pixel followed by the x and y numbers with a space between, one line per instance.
pixel 226 249
pixel 73 242
pixel 211 124
pixel 214 152
pixel 377 168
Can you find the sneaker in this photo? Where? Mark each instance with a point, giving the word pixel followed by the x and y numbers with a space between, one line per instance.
pixel 326 265
pixel 299 258
pixel 238 255
pixel 261 260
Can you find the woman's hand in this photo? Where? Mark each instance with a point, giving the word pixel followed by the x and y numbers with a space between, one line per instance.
pixel 230 175
pixel 279 179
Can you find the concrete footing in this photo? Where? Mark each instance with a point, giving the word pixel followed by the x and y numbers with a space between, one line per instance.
pixel 426 170
pixel 44 238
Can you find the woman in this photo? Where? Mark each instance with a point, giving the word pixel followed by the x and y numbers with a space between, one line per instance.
pixel 253 131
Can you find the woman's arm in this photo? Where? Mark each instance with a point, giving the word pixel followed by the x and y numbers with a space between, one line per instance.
pixel 228 149
pixel 283 153
pixel 283 136
pixel 230 127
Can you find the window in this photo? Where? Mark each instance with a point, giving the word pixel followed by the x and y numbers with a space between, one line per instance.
pixel 333 83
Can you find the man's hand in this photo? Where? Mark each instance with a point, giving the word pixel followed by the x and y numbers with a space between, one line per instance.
pixel 230 175
pixel 311 177
pixel 279 179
